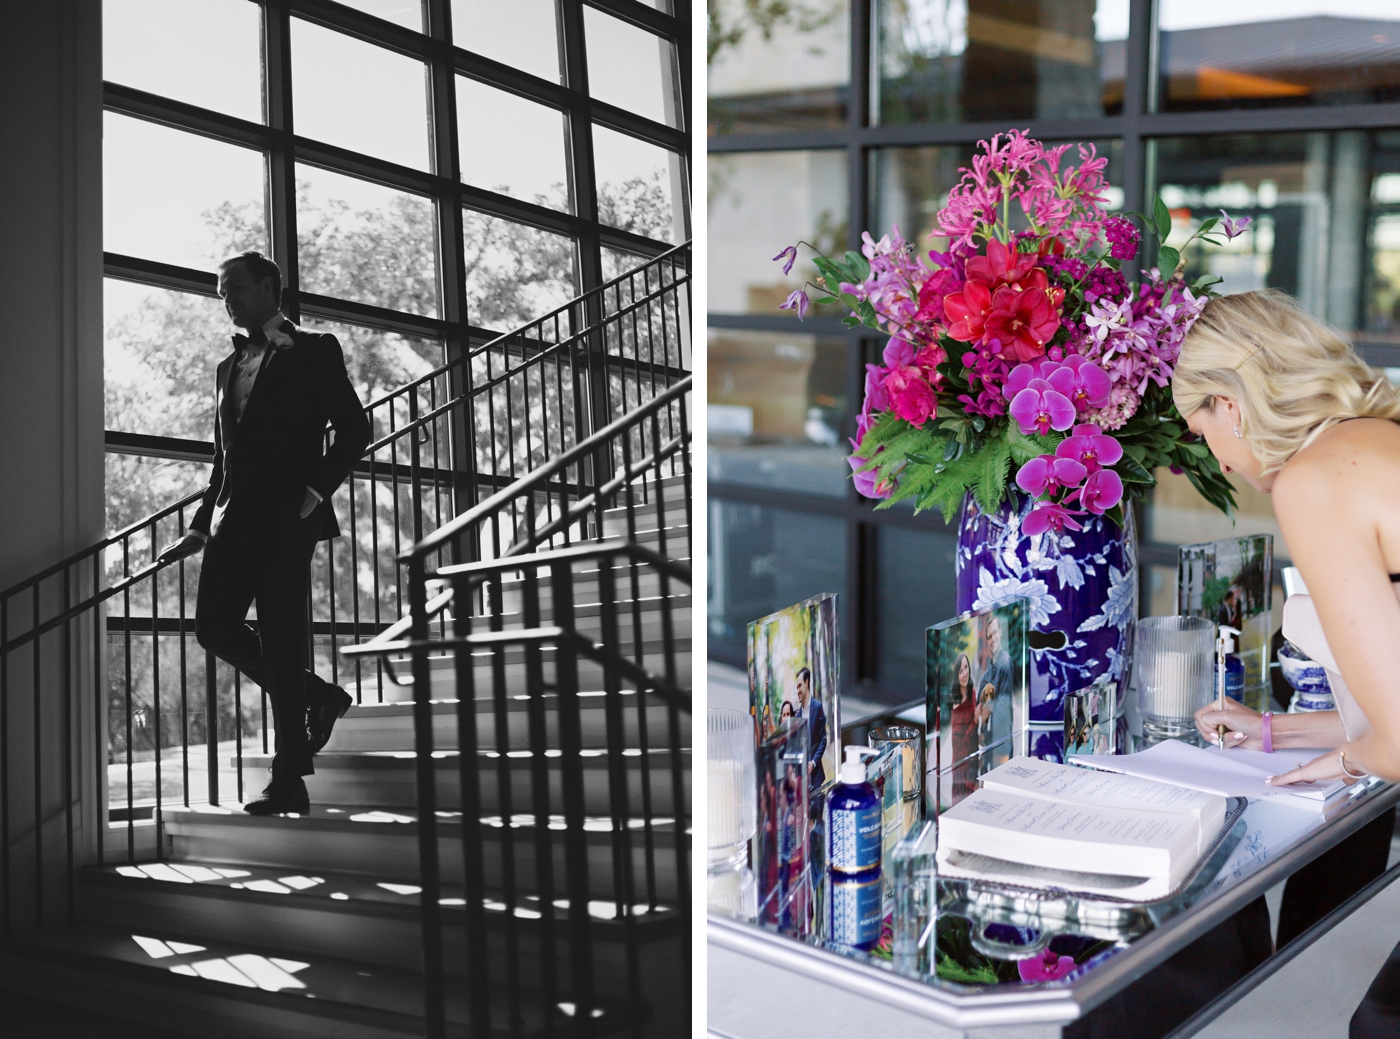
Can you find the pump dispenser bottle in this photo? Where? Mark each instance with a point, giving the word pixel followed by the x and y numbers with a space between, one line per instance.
pixel 853 854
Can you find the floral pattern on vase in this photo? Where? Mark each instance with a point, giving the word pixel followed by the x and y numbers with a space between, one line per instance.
pixel 1081 590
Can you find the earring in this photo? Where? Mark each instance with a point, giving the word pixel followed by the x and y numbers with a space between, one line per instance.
pixel 1238 433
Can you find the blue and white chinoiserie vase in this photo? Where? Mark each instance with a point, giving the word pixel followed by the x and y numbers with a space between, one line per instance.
pixel 1081 589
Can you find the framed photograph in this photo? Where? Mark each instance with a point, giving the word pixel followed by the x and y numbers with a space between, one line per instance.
pixel 1231 582
pixel 1091 719
pixel 784 825
pixel 978 699
pixel 793 676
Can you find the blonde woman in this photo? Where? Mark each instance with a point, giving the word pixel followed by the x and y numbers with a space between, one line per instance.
pixel 1285 403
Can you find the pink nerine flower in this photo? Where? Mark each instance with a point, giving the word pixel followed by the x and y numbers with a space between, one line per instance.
pixel 1040 408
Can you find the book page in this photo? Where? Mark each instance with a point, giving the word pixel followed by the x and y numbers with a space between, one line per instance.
pixel 1232 773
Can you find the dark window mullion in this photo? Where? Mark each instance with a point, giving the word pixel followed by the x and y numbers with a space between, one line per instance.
pixel 282 184
pixel 580 121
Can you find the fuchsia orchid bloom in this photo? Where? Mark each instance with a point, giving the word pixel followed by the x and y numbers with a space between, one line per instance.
pixel 1082 381
pixel 1049 516
pixel 1048 473
pixel 1090 447
pixel 1101 491
pixel 1049 967
pixel 1040 408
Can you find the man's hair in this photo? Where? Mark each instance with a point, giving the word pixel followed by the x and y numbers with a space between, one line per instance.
pixel 804 673
pixel 259 267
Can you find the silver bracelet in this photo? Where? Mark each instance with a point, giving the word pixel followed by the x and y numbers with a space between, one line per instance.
pixel 1349 773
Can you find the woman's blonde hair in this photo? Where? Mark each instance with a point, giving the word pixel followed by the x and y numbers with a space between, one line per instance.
pixel 1292 375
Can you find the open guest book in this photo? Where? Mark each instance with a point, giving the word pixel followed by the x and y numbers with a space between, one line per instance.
pixel 1039 824
pixel 1231 773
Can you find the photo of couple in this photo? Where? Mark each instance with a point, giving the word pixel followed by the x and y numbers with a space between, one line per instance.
pixel 977 706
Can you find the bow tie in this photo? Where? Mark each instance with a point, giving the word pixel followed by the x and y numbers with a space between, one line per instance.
pixel 260 338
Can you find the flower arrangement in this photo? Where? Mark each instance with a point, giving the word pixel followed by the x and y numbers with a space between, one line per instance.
pixel 1023 348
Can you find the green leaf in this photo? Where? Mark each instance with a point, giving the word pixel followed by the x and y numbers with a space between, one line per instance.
pixel 1167 259
pixel 857 265
pixel 1132 472
pixel 1162 217
pixel 1206 280
pixel 1207 225
pixel 990 487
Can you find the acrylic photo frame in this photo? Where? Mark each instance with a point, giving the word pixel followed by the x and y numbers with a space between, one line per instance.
pixel 978 699
pixel 1091 720
pixel 781 843
pixel 1231 582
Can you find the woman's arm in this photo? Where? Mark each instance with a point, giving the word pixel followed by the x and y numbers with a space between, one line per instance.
pixel 1246 729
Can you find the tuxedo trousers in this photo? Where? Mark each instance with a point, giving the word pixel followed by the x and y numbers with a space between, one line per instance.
pixel 265 562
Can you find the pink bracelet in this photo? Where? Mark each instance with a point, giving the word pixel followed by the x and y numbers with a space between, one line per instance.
pixel 1268 717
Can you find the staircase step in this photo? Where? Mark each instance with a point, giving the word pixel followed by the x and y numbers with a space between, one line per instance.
pixel 379 843
pixel 237 989
pixel 387 779
pixel 389 726
pixel 325 914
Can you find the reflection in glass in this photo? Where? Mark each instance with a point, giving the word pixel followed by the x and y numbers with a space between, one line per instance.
pixel 534 167
pixel 760 202
pixel 917 590
pixel 160 352
pixel 178 197
pixel 909 186
pixel 408 13
pixel 630 67
pixel 208 54
pixel 777 411
pixel 639 186
pixel 358 96
pixel 522 33
pixel 786 70
pixel 515 273
pixel 1243 54
pixel 762 560
pixel 617 263
pixel 364 242
pixel 943 61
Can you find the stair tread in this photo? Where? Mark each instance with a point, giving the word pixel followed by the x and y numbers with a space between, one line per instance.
pixel 253 972
pixel 405 819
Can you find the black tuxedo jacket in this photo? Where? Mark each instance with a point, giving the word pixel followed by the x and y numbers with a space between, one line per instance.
pixel 264 463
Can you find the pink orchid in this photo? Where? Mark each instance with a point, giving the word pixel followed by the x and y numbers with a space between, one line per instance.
pixel 1040 408
pixel 911 396
pixel 1101 491
pixel 1048 516
pixel 1049 967
pixel 1083 382
pixel 1046 474
pixel 1090 447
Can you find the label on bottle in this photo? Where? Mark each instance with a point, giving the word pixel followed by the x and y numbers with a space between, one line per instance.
pixel 855 838
pixel 855 910
pixel 1234 678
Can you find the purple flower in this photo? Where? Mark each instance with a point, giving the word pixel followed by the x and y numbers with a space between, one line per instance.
pixel 1090 448
pixel 876 399
pixel 1048 473
pixel 1047 516
pixel 1234 228
pixel 797 301
pixel 1122 237
pixel 791 253
pixel 1022 375
pixel 1083 382
pixel 1101 491
pixel 1040 408
pixel 899 353
pixel 1049 967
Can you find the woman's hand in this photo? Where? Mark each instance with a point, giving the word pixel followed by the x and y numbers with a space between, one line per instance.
pixel 1244 726
pixel 1327 766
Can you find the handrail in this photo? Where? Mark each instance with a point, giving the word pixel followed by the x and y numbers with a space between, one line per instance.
pixel 534 477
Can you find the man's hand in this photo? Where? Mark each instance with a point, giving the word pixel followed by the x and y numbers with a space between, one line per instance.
pixel 186 546
pixel 309 503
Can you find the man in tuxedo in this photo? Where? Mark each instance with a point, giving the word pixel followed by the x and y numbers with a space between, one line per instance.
pixel 998 676
pixel 267 504
pixel 812 712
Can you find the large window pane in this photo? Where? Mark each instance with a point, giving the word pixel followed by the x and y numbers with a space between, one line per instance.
pixel 377 361
pixel 177 197
pixel 778 411
pixel 359 96
pixel 1243 54
pixel 515 273
pixel 639 185
pixel 759 203
pixel 137 487
pixel 161 349
pixel 207 54
pixel 364 242
pixel 762 560
pixel 533 167
pixel 630 67
pixel 916 590
pixel 945 61
pixel 522 33
pixel 408 13
pixel 910 185
pixel 789 69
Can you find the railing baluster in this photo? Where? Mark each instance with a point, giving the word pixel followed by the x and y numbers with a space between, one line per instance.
pixel 184 681
pixel 211 725
pixel 155 688
pixel 126 682
pixel 5 759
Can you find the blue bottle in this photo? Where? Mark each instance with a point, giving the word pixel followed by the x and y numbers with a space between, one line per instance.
pixel 853 854
pixel 1233 665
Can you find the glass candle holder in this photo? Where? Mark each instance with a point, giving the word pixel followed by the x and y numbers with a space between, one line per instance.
pixel 732 815
pixel 1175 675
pixel 910 740
pixel 913 874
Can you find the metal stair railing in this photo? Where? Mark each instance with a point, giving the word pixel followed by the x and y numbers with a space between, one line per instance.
pixel 651 445
pixel 112 623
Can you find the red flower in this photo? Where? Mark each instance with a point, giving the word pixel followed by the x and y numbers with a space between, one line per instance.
pixel 911 396
pixel 1024 322
pixel 1001 266
pixel 966 312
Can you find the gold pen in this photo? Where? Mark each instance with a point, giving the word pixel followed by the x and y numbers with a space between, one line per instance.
pixel 1224 645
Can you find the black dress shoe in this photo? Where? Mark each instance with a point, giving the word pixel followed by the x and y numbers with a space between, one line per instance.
pixel 283 794
pixel 321 716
